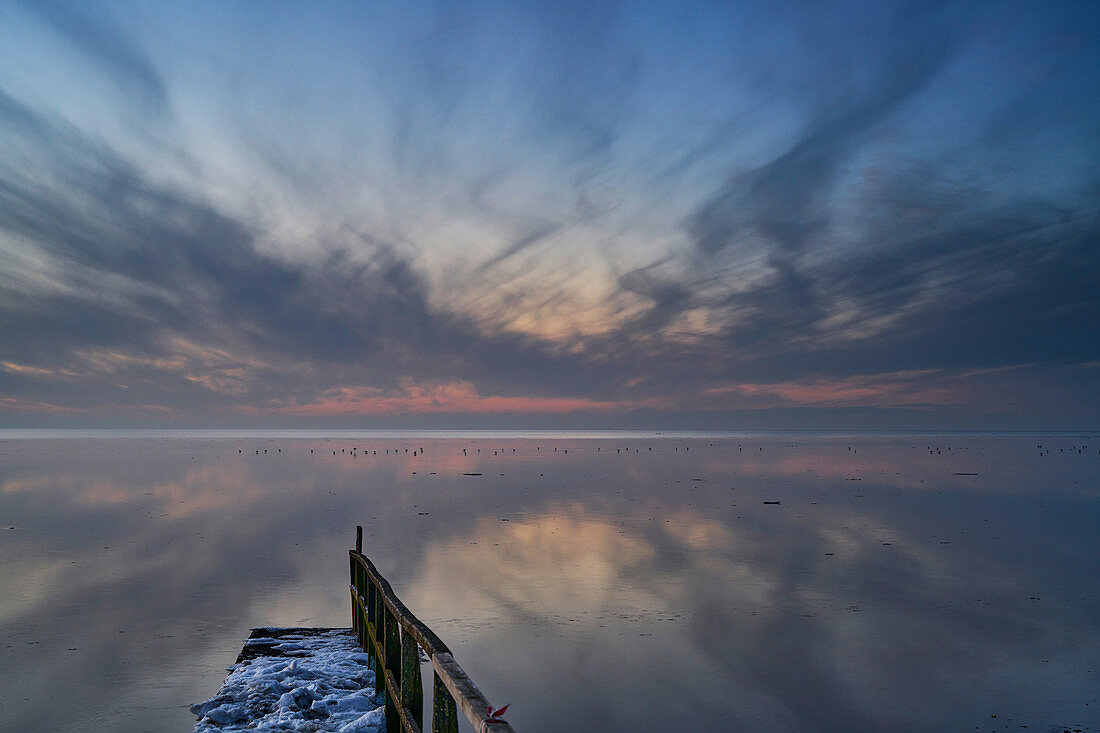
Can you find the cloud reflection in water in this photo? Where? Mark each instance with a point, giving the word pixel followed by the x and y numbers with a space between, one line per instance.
pixel 644 590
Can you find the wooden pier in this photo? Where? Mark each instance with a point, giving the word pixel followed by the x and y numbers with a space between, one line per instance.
pixel 316 679
pixel 334 689
pixel 393 637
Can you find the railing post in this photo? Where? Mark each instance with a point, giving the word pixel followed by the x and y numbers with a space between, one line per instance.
pixel 392 642
pixel 355 605
pixel 444 710
pixel 412 691
pixel 379 625
pixel 379 650
pixel 393 636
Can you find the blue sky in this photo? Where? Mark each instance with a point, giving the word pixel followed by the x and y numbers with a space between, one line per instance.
pixel 730 215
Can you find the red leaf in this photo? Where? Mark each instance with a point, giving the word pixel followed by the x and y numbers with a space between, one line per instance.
pixel 498 712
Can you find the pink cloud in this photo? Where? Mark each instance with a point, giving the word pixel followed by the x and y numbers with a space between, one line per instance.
pixel 452 397
pixel 46 408
pixel 892 389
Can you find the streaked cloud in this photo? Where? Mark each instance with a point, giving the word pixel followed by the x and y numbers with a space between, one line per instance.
pixel 459 398
pixel 645 214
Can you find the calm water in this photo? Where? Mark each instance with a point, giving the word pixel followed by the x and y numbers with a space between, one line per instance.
pixel 621 582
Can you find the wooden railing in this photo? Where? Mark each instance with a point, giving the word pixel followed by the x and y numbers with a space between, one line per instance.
pixel 393 637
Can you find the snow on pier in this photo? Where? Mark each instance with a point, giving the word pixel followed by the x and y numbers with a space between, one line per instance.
pixel 296 680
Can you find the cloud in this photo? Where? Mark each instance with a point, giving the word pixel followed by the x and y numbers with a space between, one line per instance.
pixel 458 398
pixel 853 251
pixel 527 239
pixel 784 200
pixel 561 229
pixel 156 297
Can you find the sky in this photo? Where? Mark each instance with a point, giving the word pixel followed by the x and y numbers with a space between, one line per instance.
pixel 738 216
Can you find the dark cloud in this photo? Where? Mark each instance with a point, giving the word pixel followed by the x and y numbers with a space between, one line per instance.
pixel 527 239
pixel 784 201
pixel 928 272
pixel 856 248
pixel 786 206
pixel 986 287
pixel 667 298
pixel 143 267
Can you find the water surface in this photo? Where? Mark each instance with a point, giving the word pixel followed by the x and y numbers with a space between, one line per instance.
pixel 620 581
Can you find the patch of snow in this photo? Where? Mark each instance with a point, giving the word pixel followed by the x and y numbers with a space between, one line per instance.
pixel 309 683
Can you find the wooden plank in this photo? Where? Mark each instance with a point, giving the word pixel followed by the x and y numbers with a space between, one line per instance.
pixel 466 695
pixel 424 636
pixel 393 702
pixel 392 640
pixel 402 719
pixel 379 615
pixel 452 687
pixel 252 650
pixel 412 691
pixel 444 711
pixel 371 592
pixel 369 642
pixel 408 620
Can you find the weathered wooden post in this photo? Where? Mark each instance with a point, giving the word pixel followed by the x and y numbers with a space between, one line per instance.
pixel 412 691
pixel 392 641
pixel 380 638
pixel 393 636
pixel 359 538
pixel 444 710
pixel 354 604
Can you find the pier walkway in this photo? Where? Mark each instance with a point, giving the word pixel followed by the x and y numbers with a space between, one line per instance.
pixel 366 679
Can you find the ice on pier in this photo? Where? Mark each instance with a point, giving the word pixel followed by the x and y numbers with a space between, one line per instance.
pixel 296 680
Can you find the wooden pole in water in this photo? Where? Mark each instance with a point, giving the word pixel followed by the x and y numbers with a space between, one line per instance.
pixel 359 538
